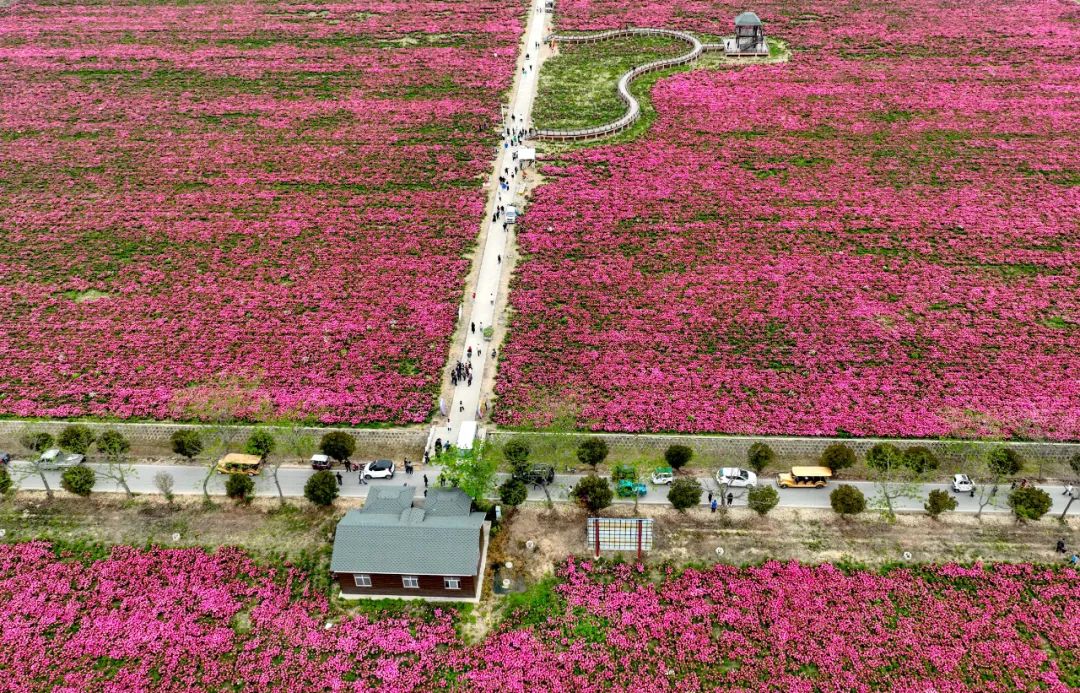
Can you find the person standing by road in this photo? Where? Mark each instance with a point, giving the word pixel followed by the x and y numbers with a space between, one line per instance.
pixel 339 479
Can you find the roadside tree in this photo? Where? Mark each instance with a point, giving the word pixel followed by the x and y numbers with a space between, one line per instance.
pixel 513 493
pixel 337 445
pixel 939 502
pixel 762 499
pixel 592 451
pixel 321 488
pixel 685 492
pixel 837 456
pixel 115 447
pixel 893 477
pixel 847 500
pixel 187 443
pixel 678 456
pixel 79 480
pixel 473 471
pixel 1029 503
pixel 6 482
pixel 164 483
pixel 516 452
pixel 37 442
pixel 759 456
pixel 76 438
pixel 241 488
pixel 592 492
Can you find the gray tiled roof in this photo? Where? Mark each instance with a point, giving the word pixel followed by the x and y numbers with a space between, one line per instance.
pixel 385 537
pixel 747 19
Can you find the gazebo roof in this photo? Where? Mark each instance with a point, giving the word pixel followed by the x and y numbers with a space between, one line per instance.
pixel 747 19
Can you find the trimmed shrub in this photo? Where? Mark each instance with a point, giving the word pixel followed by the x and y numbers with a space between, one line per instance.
pixel 186 442
pixel 837 456
pixel 241 487
pixel 920 459
pixel 762 499
pixel 593 492
pixel 79 480
pixel 513 492
pixel 884 456
pixel 760 456
pixel 678 456
pixel 261 442
pixel 847 500
pixel 592 451
pixel 938 502
pixel 337 445
pixel 36 441
pixel 76 438
pixel 1004 461
pixel 1029 503
pixel 321 487
pixel 685 492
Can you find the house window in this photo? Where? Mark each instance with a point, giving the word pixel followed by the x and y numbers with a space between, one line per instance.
pixel 410 582
pixel 451 583
pixel 362 580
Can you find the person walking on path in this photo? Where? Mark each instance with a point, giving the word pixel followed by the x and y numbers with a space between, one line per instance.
pixel 712 505
pixel 730 499
pixel 1060 548
pixel 363 481
pixel 425 481
pixel 339 479
pixel 710 497
pixel 1068 490
pixel 461 405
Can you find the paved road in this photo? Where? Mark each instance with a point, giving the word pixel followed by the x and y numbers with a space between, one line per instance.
pixel 484 302
pixel 188 480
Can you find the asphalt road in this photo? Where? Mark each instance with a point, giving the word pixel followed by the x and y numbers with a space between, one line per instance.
pixel 188 480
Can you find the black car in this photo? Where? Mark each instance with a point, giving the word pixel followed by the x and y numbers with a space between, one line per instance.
pixel 538 474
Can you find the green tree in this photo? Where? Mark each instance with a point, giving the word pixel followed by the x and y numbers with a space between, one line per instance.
pixel 76 438
pixel 1029 503
pixel 321 488
pixel 685 492
pixel 592 451
pixel 593 492
pixel 837 456
pixel 762 499
pixel 847 500
pixel 759 456
pixel 884 456
pixel 1004 462
pixel 261 442
pixel 624 472
pixel 678 456
pixel 296 440
pixel 938 502
pixel 115 447
pixel 6 483
pixel 241 487
pixel 473 471
pixel 516 451
pixel 79 480
pixel 37 442
pixel 187 443
pixel 337 445
pixel 920 459
pixel 892 477
pixel 513 493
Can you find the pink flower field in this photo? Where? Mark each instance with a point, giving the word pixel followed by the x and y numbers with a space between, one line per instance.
pixel 878 237
pixel 277 196
pixel 178 620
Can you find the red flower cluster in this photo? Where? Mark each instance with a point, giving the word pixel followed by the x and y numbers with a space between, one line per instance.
pixel 877 237
pixel 274 194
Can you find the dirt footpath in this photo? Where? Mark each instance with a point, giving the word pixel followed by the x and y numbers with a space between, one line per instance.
pixel 810 536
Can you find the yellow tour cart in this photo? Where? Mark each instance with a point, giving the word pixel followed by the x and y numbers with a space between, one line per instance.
pixel 805 477
pixel 237 463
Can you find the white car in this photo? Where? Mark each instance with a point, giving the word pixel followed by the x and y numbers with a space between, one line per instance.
pixel 54 458
pixel 735 477
pixel 662 476
pixel 379 469
pixel 962 484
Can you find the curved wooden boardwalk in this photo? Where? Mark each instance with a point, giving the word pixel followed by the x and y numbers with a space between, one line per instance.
pixel 633 108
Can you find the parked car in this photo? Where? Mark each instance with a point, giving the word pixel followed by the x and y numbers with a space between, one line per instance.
pixel 55 458
pixel 321 462
pixel 5 459
pixel 738 478
pixel 629 489
pixel 805 477
pixel 379 469
pixel 961 483
pixel 662 475
pixel 538 474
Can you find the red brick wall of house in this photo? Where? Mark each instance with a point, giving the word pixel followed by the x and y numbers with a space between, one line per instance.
pixel 391 586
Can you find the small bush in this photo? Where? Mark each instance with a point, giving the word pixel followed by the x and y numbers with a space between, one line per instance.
pixel 684 493
pixel 79 480
pixel 321 487
pixel 678 456
pixel 593 492
pixel 592 451
pixel 938 502
pixel 36 441
pixel 1029 503
pixel 261 442
pixel 186 442
pixel 513 492
pixel 884 456
pixel 113 444
pixel 337 445
pixel 240 487
pixel 76 438
pixel 164 483
pixel 920 459
pixel 837 456
pixel 516 452
pixel 762 499
pixel 847 500
pixel 760 456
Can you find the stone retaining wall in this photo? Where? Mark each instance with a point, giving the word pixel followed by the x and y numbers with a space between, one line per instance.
pixel 152 439
pixel 731 449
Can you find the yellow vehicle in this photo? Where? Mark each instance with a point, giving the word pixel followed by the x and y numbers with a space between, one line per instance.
pixel 805 477
pixel 237 463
